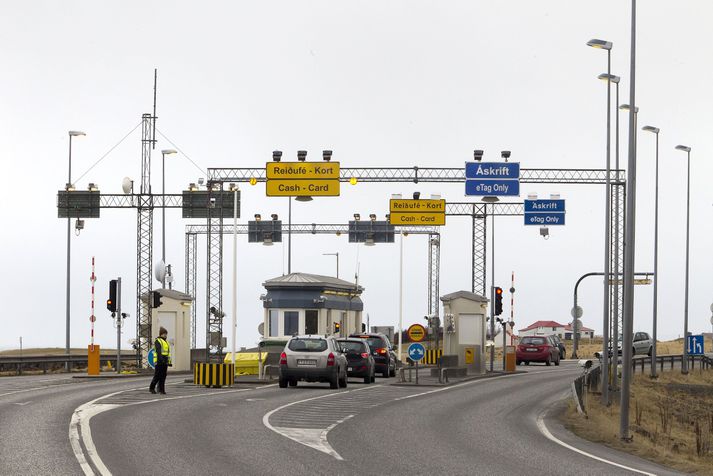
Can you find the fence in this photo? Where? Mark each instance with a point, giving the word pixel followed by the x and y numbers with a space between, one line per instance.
pixel 50 362
pixel 590 380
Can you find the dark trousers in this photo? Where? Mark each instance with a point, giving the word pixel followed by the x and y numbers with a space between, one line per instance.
pixel 159 377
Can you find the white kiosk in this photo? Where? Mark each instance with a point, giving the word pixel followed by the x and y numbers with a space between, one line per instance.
pixel 464 330
pixel 175 315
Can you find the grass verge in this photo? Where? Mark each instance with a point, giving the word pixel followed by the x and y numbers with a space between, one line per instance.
pixel 671 421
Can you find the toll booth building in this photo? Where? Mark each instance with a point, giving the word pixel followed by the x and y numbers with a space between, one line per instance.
pixel 174 315
pixel 301 303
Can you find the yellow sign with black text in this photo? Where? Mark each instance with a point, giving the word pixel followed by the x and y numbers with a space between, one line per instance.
pixel 417 219
pixel 302 188
pixel 412 206
pixel 302 170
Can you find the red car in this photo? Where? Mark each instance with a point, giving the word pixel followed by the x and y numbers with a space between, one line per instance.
pixel 537 349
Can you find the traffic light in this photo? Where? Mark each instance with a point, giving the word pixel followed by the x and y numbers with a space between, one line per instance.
pixel 111 302
pixel 337 327
pixel 363 327
pixel 498 301
pixel 155 299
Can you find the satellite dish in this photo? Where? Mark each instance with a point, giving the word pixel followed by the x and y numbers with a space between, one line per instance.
pixel 127 184
pixel 261 328
pixel 160 270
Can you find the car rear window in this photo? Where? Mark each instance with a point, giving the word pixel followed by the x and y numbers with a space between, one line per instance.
pixel 374 342
pixel 533 340
pixel 307 345
pixel 352 346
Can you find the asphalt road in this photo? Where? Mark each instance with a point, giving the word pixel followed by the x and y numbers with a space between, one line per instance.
pixel 487 426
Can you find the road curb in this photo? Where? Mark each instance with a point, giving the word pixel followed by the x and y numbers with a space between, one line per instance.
pixel 455 381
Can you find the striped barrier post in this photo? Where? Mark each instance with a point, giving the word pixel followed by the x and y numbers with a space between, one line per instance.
pixel 432 355
pixel 213 375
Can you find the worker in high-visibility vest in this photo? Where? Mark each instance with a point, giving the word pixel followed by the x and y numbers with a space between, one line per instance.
pixel 161 361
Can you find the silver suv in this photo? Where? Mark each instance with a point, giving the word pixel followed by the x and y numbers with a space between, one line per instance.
pixel 313 359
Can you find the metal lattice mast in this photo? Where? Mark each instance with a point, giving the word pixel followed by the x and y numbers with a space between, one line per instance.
pixel 144 243
pixel 214 274
pixel 191 279
pixel 434 266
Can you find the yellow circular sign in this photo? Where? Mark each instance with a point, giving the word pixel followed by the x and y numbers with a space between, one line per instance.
pixel 416 332
pixel 253 180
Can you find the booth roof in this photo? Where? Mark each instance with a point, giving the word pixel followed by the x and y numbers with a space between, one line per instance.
pixel 305 280
pixel 465 295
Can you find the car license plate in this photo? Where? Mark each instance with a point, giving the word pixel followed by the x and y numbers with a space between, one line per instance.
pixel 531 350
pixel 307 362
pixel 349 369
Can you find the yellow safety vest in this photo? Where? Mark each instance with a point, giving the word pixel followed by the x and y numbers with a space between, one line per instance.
pixel 165 350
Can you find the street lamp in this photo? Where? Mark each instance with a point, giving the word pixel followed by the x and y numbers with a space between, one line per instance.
pixel 655 130
pixel 684 362
pixel 605 45
pixel 164 153
pixel 69 187
pixel 615 325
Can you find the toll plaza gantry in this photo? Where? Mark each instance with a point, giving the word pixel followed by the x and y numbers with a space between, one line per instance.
pixel 478 212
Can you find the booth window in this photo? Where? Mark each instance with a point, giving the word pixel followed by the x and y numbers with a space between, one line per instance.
pixel 273 323
pixel 311 321
pixel 291 323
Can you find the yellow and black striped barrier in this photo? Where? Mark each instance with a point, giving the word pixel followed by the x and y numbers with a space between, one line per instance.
pixel 213 375
pixel 432 355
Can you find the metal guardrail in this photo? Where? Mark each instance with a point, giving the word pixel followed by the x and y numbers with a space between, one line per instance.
pixel 46 362
pixel 590 380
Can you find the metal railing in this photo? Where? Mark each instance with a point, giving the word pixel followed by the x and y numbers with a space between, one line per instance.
pixel 46 363
pixel 590 380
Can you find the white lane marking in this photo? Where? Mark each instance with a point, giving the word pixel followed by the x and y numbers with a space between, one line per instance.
pixel 22 404
pixel 314 438
pixel 84 413
pixel 543 429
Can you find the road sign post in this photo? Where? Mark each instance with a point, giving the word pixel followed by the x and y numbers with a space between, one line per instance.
pixel 416 352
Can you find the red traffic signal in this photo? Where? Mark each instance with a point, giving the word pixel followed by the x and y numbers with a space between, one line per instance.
pixel 498 301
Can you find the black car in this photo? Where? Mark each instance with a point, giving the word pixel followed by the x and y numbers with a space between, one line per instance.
pixel 383 352
pixel 360 362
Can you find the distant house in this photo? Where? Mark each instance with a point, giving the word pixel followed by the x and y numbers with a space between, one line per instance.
pixel 543 328
pixel 584 332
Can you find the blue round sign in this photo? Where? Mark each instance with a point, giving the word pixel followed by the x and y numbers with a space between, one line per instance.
pixel 416 351
pixel 150 357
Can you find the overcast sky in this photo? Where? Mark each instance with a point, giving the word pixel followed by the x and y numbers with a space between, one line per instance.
pixel 397 83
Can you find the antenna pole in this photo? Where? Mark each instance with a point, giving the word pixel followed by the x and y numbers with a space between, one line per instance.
pixel 155 80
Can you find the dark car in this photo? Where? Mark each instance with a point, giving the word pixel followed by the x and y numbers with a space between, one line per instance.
pixel 560 346
pixel 360 362
pixel 537 349
pixel 384 356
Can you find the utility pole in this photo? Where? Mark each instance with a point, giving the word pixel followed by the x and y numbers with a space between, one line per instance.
pixel 118 326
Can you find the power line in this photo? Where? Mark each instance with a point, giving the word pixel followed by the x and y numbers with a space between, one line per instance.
pixel 203 171
pixel 108 152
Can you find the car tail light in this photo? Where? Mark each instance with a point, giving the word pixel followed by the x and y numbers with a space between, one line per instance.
pixel 330 360
pixel 365 355
pixel 283 359
pixel 381 351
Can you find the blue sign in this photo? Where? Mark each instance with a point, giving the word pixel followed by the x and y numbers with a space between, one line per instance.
pixel 492 170
pixel 555 205
pixel 695 345
pixel 416 351
pixel 500 187
pixel 497 179
pixel 544 219
pixel 150 357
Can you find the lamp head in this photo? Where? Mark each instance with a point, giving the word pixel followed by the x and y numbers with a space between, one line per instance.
pixel 301 155
pixel 600 44
pixel 505 154
pixel 168 151
pixel 357 217
pixel 611 77
pixel 477 155
pixel 653 129
pixel 684 148
pixel 625 107
pixel 258 217
pixel 326 155
pixel 76 133
pixel 276 155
